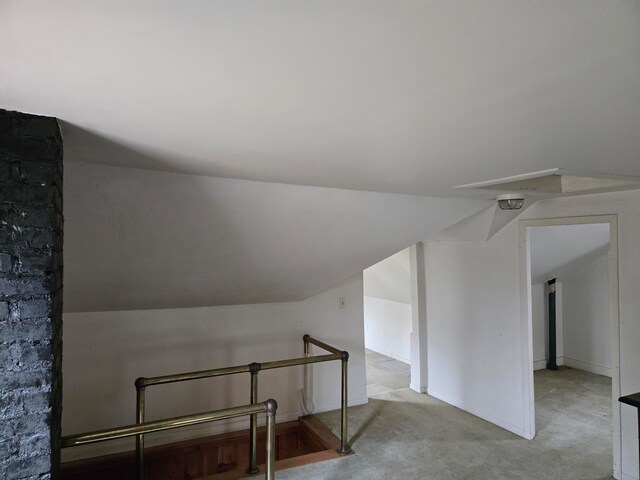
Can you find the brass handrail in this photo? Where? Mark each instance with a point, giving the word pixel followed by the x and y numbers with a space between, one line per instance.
pixel 344 356
pixel 269 407
pixel 252 368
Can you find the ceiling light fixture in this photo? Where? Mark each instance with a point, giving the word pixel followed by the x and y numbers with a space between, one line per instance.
pixel 510 201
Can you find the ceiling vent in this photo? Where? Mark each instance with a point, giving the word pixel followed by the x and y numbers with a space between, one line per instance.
pixel 558 181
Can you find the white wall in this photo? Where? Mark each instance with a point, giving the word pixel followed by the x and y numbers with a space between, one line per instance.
pixel 473 328
pixel 478 346
pixel 387 306
pixel 387 328
pixel 582 319
pixel 104 352
pixel 586 318
pixel 138 239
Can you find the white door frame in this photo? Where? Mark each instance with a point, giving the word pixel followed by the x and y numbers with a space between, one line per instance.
pixel 614 321
pixel 419 358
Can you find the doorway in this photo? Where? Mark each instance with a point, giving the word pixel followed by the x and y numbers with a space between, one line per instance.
pixel 388 323
pixel 573 263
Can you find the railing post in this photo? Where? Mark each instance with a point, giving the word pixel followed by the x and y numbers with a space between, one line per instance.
pixel 305 339
pixel 140 401
pixel 344 448
pixel 271 407
pixel 307 402
pixel 254 368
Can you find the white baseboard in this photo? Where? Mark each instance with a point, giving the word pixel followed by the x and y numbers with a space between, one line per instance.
pixel 628 477
pixel 382 351
pixel 587 367
pixel 539 365
pixel 483 415
pixel 417 388
pixel 542 364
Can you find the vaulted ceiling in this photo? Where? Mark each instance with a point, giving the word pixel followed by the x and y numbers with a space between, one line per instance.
pixel 389 104
pixel 401 96
pixel 557 251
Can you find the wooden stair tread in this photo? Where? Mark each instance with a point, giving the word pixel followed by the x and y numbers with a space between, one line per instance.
pixel 280 465
pixel 320 432
pixel 298 442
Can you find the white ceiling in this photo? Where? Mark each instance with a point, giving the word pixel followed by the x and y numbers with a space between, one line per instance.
pixel 391 96
pixel 390 279
pixel 561 250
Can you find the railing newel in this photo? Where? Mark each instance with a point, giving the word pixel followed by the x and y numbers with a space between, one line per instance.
pixel 253 420
pixel 253 369
pixel 140 407
pixel 344 420
pixel 271 407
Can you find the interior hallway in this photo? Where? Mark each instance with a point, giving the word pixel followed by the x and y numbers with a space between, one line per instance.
pixel 385 374
pixel 404 435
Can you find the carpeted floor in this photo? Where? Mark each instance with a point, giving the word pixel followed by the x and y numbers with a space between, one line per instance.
pixel 404 435
pixel 385 374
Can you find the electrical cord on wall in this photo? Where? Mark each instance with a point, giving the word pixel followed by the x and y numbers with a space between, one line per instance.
pixel 306 392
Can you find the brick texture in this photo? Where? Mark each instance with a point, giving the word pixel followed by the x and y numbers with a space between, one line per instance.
pixel 30 296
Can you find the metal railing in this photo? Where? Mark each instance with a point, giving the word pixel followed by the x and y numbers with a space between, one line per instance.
pixel 269 407
pixel 253 368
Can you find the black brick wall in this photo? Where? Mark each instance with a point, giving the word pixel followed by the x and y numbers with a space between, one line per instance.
pixel 30 296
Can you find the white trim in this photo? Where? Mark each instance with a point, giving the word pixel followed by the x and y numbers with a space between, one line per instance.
pixel 614 319
pixel 539 365
pixel 587 367
pixel 614 332
pixel 418 337
pixel 382 351
pixel 542 364
pixel 628 477
pixel 417 388
pixel 480 414
pixel 526 328
pixel 497 182
pixel 514 178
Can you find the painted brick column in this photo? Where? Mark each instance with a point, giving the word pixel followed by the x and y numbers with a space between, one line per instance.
pixel 30 296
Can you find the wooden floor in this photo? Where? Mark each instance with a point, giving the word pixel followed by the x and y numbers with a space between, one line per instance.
pixel 221 457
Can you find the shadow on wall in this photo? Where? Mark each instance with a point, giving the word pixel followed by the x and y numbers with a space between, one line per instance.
pixel 148 239
pixel 82 145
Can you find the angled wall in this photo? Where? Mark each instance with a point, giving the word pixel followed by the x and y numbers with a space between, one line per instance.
pixel 140 239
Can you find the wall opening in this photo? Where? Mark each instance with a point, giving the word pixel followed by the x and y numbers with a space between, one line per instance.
pixel 388 323
pixel 581 255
